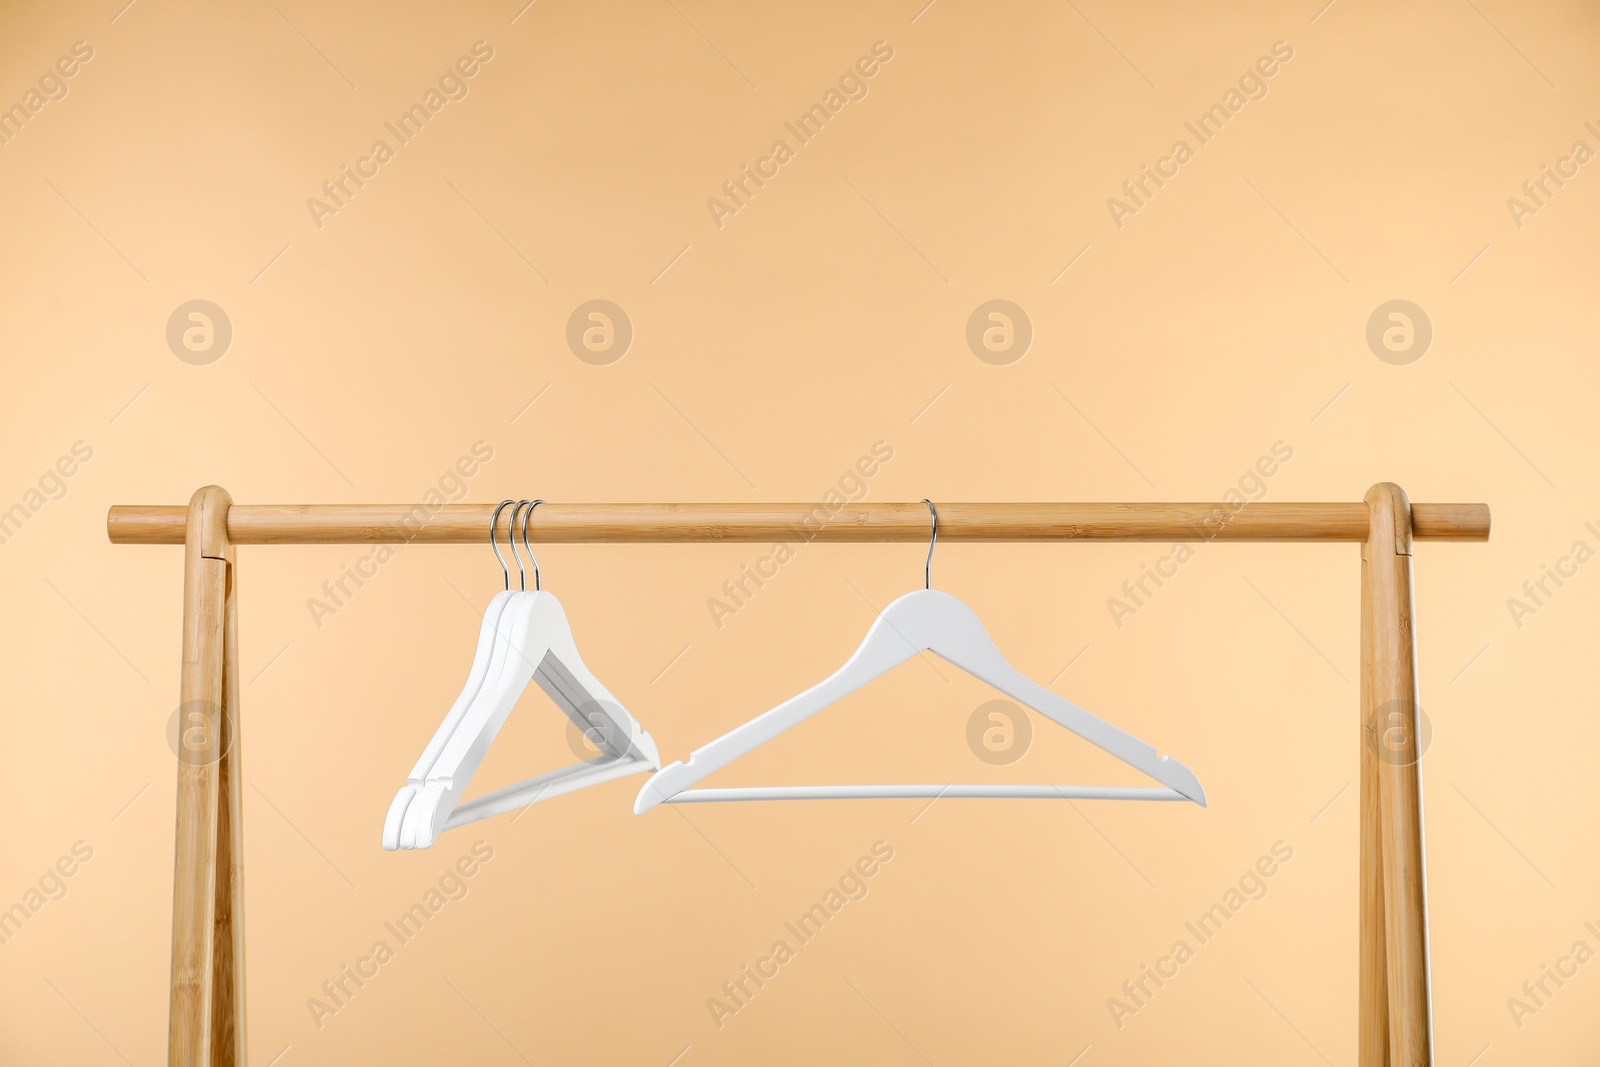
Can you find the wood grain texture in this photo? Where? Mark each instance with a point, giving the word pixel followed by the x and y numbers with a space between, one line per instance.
pixel 1372 1030
pixel 198 923
pixel 227 1004
pixel 307 524
pixel 1392 656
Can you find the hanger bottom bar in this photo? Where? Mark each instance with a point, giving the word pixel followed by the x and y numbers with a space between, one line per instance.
pixel 931 792
pixel 544 787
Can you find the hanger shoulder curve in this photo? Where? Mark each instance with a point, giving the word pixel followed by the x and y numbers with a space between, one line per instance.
pixel 884 648
pixel 962 640
pixel 476 676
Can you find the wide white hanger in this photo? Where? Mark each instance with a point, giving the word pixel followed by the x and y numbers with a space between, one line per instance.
pixel 525 637
pixel 923 620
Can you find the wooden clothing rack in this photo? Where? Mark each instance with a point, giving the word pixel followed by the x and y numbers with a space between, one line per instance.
pixel 207 1010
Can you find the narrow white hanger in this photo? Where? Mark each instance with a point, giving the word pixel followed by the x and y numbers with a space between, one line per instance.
pixel 475 679
pixel 923 620
pixel 525 637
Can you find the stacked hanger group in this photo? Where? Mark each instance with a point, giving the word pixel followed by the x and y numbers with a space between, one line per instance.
pixel 525 637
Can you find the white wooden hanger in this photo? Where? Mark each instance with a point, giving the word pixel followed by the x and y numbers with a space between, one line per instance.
pixel 475 679
pixel 923 620
pixel 525 637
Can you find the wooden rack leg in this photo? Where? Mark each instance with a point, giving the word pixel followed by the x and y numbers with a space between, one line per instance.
pixel 1390 676
pixel 206 1024
pixel 1372 1036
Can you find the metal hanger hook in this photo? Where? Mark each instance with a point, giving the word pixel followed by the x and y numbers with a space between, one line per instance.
pixel 933 539
pixel 526 515
pixel 511 539
pixel 494 522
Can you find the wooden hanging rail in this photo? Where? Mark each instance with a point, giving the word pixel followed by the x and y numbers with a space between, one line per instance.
pixel 456 524
pixel 206 1009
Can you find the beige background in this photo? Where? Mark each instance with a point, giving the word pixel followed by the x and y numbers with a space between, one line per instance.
pixel 770 353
